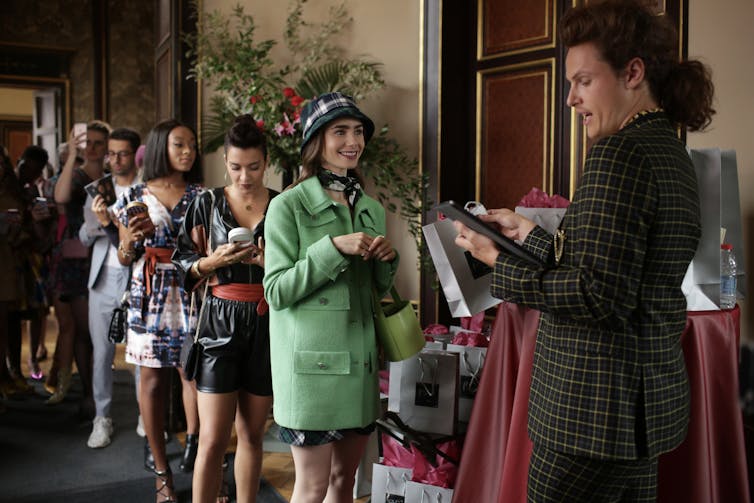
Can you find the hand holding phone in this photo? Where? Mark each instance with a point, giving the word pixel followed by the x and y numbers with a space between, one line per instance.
pixel 139 223
pixel 79 135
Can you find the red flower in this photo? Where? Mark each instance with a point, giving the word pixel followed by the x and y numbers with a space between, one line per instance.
pixel 254 99
pixel 296 100
pixel 288 92
pixel 260 124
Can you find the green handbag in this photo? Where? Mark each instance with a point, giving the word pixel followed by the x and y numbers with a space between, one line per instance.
pixel 397 327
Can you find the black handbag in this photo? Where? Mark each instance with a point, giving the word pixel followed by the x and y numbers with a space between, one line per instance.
pixel 191 349
pixel 116 332
pixel 190 352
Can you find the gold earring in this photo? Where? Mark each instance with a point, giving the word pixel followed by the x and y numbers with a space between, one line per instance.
pixel 265 177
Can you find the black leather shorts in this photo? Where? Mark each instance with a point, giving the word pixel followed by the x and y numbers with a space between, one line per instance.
pixel 235 348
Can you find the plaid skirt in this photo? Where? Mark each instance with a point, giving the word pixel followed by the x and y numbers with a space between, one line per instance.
pixel 304 438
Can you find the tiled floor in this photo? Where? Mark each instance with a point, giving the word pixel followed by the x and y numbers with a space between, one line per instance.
pixel 277 467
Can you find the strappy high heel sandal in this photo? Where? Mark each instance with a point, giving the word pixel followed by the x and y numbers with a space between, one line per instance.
pixel 223 495
pixel 165 477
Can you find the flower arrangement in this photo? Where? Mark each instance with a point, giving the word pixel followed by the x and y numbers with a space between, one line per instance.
pixel 245 80
pixel 282 111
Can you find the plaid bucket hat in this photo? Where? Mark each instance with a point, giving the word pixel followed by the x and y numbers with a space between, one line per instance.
pixel 328 107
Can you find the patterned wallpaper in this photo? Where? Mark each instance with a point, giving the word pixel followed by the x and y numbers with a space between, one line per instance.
pixel 132 65
pixel 67 24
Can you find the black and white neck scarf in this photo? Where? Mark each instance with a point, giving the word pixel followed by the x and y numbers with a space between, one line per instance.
pixel 346 184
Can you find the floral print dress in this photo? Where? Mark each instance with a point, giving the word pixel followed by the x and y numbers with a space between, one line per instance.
pixel 157 322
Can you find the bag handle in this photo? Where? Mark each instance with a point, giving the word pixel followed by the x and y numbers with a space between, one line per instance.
pixel 206 280
pixel 377 300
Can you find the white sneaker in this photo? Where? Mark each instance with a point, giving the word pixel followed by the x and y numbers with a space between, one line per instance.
pixel 140 428
pixel 101 433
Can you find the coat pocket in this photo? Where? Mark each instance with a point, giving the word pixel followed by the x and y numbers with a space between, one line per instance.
pixel 329 298
pixel 315 220
pixel 322 362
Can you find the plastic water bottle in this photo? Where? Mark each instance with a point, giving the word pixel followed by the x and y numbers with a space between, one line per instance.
pixel 727 277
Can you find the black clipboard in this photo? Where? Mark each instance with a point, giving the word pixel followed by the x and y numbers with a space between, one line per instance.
pixel 455 211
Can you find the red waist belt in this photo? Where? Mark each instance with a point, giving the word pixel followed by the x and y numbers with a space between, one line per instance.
pixel 153 256
pixel 243 292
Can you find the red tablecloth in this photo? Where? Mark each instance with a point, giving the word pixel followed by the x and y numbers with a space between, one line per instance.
pixel 708 467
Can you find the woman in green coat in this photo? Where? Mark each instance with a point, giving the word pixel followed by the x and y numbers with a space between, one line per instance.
pixel 325 253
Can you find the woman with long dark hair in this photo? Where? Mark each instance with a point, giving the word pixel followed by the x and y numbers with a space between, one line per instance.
pixel 159 316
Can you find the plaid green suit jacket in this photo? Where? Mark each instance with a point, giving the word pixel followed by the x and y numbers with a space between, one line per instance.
pixel 609 379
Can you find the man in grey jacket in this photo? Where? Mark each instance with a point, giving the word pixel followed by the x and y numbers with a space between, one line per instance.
pixel 108 279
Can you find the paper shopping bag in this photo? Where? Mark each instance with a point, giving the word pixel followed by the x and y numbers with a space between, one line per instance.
pixel 363 478
pixel 471 364
pixel 465 281
pixel 425 493
pixel 717 176
pixel 423 390
pixel 434 460
pixel 389 483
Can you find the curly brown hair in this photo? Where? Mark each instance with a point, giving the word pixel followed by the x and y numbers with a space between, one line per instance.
pixel 626 29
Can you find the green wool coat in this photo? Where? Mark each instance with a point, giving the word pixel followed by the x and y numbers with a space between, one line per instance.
pixel 322 342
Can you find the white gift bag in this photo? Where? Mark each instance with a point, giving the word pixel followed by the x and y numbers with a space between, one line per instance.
pixel 389 483
pixel 423 391
pixel 470 369
pixel 425 493
pixel 717 176
pixel 465 281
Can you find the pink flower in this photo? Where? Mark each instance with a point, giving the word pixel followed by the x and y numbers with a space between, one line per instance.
pixel 285 127
pixel 288 92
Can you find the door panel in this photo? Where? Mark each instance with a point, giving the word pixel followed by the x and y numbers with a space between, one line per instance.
pixel 515 132
pixel 510 26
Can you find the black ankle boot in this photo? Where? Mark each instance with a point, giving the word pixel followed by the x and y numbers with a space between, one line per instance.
pixel 148 457
pixel 189 453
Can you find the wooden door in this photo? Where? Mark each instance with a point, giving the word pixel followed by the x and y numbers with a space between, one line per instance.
pixel 175 96
pixel 495 122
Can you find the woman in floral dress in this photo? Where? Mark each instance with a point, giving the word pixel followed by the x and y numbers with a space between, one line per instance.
pixel 159 316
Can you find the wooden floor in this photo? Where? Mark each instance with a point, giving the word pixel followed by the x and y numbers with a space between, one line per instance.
pixel 277 468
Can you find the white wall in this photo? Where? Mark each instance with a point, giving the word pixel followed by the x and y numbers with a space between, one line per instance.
pixel 720 35
pixel 387 31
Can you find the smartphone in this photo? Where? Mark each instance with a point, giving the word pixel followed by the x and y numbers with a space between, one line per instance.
pixel 40 202
pixel 240 235
pixel 135 208
pixel 79 130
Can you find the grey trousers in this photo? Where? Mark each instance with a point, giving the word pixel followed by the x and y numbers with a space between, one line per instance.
pixel 103 298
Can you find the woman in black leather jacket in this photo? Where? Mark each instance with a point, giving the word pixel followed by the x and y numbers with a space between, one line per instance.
pixel 233 376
